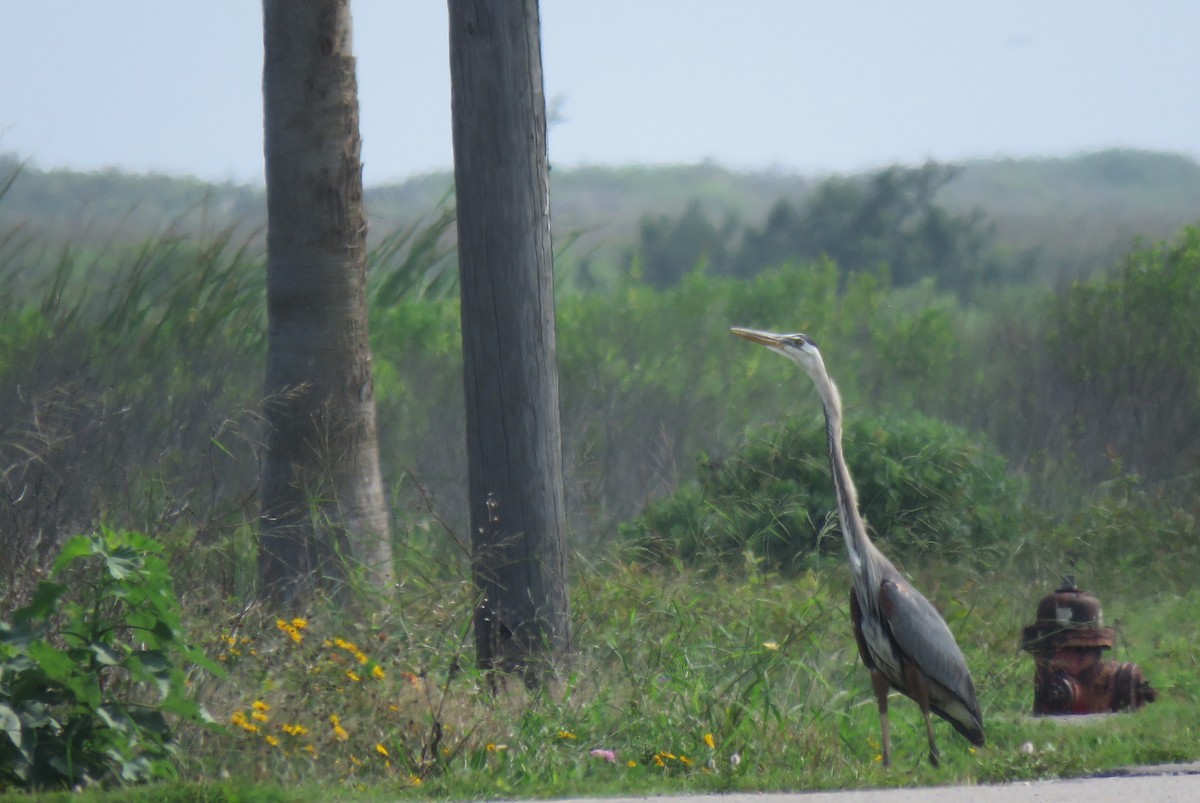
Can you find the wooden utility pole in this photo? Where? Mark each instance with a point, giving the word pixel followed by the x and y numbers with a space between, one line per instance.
pixel 514 443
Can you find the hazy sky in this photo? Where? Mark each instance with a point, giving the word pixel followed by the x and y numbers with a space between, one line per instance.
pixel 175 85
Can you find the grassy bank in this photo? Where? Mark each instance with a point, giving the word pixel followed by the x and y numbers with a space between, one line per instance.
pixel 680 681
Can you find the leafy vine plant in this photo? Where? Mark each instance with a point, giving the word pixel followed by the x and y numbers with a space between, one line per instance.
pixel 92 670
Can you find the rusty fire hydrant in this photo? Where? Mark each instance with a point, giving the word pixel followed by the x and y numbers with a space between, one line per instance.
pixel 1069 675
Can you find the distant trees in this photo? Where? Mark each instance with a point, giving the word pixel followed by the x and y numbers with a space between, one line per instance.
pixel 887 220
pixel 514 443
pixel 322 492
pixel 670 249
pixel 1125 364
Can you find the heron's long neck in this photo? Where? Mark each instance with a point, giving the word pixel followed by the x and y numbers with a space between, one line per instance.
pixel 854 529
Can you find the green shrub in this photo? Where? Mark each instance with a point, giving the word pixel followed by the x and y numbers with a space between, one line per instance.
pixel 1129 535
pixel 89 672
pixel 1125 349
pixel 922 485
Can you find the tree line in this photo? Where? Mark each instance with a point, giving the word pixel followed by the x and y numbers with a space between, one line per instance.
pixel 889 221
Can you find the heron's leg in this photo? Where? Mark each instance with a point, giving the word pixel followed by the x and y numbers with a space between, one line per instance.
pixel 882 687
pixel 920 693
pixel 933 751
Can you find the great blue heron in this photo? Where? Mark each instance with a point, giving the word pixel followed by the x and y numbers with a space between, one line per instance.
pixel 903 640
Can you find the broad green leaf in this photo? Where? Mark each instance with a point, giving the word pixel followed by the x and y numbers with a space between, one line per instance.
pixel 152 666
pixel 105 654
pixel 152 720
pixel 57 665
pixel 123 562
pixel 36 714
pixel 201 660
pixel 79 546
pixel 185 707
pixel 10 725
pixel 45 598
pixel 86 689
pixel 114 717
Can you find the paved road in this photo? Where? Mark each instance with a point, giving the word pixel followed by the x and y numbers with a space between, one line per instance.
pixel 1162 784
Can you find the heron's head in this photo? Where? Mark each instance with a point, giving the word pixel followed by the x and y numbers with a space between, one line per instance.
pixel 797 347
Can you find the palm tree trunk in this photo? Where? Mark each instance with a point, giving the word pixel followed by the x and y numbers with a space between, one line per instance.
pixel 322 492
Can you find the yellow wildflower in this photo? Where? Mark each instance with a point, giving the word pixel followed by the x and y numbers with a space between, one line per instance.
pixel 339 732
pixel 350 674
pixel 351 648
pixel 708 740
pixel 377 672
pixel 293 632
pixel 271 740
pixel 631 763
pixel 238 718
pixel 260 716
pixel 294 729
pixel 414 780
pixel 566 735
pixel 299 623
pixel 685 761
pixel 381 750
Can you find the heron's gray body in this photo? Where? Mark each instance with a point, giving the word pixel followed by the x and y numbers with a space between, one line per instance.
pixel 902 639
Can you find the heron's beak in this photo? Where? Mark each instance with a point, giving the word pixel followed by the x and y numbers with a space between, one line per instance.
pixel 768 339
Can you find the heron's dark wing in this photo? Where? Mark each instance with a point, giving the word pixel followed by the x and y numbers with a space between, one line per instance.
pixel 859 637
pixel 925 640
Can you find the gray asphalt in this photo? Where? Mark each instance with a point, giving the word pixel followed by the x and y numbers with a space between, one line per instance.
pixel 1173 783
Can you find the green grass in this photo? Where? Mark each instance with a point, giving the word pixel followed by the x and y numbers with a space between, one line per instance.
pixel 763 665
pixel 716 679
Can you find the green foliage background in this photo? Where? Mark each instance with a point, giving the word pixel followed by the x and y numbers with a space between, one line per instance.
pixel 1036 420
